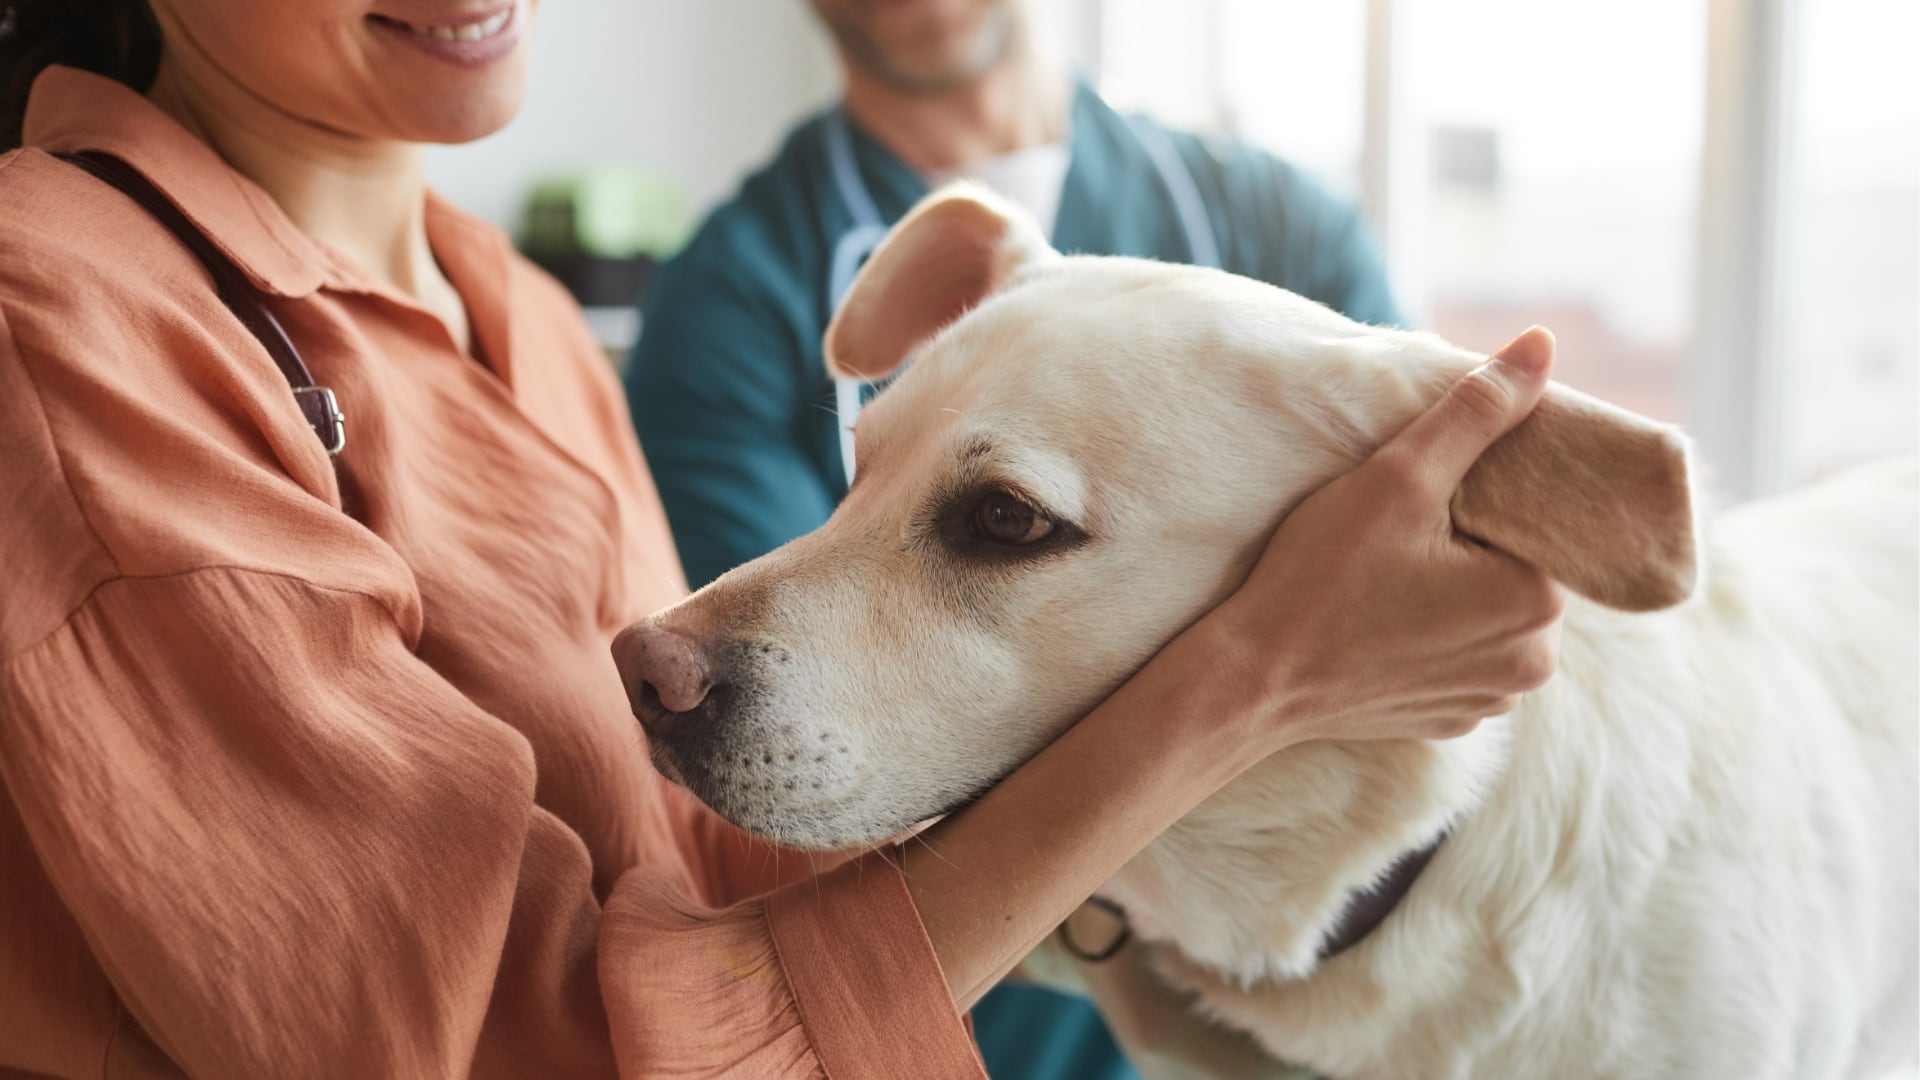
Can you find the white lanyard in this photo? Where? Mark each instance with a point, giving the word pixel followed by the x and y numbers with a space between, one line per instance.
pixel 868 230
pixel 849 252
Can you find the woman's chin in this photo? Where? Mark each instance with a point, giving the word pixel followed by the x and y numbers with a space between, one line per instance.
pixel 420 99
pixel 462 120
pixel 472 128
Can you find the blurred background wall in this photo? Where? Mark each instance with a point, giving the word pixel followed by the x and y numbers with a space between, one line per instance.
pixel 696 89
pixel 1714 203
pixel 700 90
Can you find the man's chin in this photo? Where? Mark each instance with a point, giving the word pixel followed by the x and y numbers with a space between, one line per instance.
pixel 935 68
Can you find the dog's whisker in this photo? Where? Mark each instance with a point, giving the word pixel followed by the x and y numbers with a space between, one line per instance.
pixel 936 854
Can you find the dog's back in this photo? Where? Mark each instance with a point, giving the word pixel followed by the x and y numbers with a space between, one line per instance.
pixel 1727 888
pixel 1690 854
pixel 1811 607
pixel 1757 750
pixel 1699 857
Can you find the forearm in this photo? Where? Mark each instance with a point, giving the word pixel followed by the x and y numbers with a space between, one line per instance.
pixel 994 879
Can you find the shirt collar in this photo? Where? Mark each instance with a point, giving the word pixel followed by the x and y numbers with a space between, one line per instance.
pixel 70 110
pixel 1101 206
pixel 1103 157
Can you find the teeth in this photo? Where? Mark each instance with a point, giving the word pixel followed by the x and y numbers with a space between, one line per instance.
pixel 473 31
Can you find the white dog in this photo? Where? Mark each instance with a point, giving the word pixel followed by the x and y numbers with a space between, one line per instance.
pixel 1691 854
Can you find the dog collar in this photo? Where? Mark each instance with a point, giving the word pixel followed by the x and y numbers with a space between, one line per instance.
pixel 1366 909
pixel 1369 907
pixel 1103 953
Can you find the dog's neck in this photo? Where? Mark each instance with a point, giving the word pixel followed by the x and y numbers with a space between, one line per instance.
pixel 1261 879
pixel 1367 908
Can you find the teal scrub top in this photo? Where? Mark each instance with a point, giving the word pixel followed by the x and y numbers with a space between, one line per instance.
pixel 735 410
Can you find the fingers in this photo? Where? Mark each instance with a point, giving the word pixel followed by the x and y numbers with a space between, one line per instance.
pixel 1506 586
pixel 1445 441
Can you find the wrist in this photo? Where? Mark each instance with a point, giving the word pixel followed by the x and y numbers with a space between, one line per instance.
pixel 1226 694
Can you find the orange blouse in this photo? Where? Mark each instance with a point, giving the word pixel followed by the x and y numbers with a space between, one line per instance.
pixel 321 768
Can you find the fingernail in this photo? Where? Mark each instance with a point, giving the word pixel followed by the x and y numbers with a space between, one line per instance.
pixel 1530 353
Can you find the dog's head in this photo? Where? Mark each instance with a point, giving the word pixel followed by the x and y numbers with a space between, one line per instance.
pixel 1086 454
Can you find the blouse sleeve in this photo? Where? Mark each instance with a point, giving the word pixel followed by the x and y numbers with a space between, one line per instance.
pixel 239 810
pixel 296 852
pixel 292 848
pixel 837 970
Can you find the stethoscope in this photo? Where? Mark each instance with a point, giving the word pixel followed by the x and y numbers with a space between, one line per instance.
pixel 869 229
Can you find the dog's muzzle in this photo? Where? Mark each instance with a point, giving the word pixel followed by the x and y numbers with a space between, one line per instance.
pixel 717 725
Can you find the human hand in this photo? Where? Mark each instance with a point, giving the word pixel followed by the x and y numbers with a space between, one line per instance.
pixel 1369 616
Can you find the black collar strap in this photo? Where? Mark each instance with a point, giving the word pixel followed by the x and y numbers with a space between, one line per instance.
pixel 1369 907
pixel 1365 911
pixel 316 403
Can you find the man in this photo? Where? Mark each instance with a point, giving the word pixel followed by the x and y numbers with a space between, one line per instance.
pixel 739 419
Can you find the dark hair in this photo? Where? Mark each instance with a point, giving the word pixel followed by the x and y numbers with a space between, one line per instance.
pixel 116 38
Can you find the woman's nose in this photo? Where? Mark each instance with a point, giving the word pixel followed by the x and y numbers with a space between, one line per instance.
pixel 665 672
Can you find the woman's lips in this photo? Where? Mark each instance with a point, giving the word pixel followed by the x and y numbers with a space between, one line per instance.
pixel 471 42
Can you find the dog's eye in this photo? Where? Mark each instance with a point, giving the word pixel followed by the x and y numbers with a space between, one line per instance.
pixel 1004 519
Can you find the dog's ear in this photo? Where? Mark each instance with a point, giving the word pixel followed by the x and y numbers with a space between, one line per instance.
pixel 1597 498
pixel 959 246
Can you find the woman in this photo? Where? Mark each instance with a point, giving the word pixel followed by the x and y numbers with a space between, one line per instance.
pixel 318 766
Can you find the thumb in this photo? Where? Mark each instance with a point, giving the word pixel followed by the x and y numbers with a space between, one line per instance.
pixel 1490 401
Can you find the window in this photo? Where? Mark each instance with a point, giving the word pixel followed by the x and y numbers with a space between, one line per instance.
pixel 1563 145
pixel 1852 360
pixel 1293 79
pixel 1548 163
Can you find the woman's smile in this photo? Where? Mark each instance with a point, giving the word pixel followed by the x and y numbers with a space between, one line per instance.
pixel 471 40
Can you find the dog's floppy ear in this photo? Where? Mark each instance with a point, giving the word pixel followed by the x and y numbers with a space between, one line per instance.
pixel 951 252
pixel 1596 497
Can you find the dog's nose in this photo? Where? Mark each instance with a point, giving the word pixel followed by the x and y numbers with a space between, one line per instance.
pixel 665 673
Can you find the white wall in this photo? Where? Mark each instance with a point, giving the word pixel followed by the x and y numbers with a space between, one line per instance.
pixel 701 90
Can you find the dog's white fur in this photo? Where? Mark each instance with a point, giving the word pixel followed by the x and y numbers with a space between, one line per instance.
pixel 1691 854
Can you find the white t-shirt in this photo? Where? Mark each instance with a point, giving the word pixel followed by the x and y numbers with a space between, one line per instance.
pixel 1031 179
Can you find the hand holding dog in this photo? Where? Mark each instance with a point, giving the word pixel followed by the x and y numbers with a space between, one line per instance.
pixel 1370 616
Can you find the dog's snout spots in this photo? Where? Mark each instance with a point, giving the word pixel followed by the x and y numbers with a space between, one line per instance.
pixel 723 720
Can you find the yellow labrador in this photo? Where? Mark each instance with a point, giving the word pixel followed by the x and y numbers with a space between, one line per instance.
pixel 1691 854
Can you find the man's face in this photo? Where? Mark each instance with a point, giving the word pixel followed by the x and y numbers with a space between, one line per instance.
pixel 920 46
